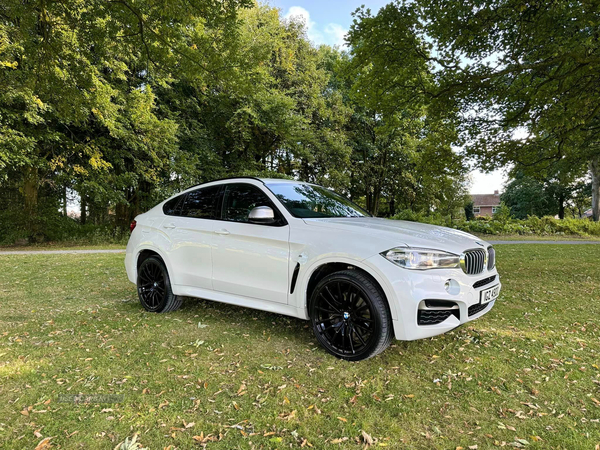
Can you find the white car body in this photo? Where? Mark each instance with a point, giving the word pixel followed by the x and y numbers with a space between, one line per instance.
pixel 253 265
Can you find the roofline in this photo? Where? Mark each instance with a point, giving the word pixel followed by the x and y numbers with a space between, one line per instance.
pixel 223 179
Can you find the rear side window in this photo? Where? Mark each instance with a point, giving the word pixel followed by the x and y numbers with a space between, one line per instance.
pixel 201 203
pixel 173 206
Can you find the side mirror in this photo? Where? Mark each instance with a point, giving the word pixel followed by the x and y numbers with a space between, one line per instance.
pixel 261 214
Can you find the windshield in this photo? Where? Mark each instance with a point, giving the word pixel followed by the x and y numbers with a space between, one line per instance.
pixel 309 201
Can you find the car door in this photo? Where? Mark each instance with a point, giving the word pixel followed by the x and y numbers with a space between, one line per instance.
pixel 190 228
pixel 250 259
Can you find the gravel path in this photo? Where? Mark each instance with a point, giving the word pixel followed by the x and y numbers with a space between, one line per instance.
pixel 56 252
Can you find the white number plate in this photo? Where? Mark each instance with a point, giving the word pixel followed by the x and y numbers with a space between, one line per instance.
pixel 490 294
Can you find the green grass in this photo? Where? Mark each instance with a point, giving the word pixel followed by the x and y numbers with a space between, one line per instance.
pixel 526 374
pixel 536 237
pixel 63 246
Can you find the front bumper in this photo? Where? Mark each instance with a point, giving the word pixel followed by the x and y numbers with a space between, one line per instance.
pixel 407 291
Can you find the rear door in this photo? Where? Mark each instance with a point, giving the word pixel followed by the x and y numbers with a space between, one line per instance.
pixel 191 231
pixel 250 259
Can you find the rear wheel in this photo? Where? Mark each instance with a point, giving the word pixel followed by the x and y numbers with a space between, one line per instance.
pixel 350 316
pixel 154 287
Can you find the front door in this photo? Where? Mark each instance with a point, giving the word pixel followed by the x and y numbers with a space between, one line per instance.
pixel 249 259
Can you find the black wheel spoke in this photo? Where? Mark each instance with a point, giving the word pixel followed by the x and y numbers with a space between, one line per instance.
pixel 359 336
pixel 341 296
pixel 360 325
pixel 330 311
pixel 350 338
pixel 329 303
pixel 333 297
pixel 361 308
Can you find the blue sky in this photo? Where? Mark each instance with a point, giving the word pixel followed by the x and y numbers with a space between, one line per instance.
pixel 328 21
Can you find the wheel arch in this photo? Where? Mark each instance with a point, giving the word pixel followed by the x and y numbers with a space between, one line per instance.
pixel 322 268
pixel 146 252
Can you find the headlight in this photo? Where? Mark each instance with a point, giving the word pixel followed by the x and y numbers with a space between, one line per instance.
pixel 422 258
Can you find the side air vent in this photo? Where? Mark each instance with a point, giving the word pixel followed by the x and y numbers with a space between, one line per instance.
pixel 294 278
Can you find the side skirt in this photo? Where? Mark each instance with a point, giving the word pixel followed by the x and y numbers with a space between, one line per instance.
pixel 246 302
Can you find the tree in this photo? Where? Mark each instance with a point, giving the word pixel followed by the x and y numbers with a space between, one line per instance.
pixel 525 75
pixel 77 99
pixel 526 196
pixel 402 144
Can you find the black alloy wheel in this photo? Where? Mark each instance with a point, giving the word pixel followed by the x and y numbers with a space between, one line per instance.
pixel 154 287
pixel 350 315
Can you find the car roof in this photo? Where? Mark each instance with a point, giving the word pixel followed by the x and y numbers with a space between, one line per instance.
pixel 281 180
pixel 262 180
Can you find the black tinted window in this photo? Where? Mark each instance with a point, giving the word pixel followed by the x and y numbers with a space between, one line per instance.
pixel 173 206
pixel 201 203
pixel 240 199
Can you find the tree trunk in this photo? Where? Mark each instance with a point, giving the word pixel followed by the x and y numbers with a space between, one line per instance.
pixel 64 201
pixel 121 213
pixel 595 172
pixel 30 190
pixel 83 205
pixel 30 196
pixel 561 205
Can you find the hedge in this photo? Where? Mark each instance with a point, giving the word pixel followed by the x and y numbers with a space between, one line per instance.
pixel 533 225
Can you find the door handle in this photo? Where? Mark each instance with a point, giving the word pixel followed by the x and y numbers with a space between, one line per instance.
pixel 170 225
pixel 222 232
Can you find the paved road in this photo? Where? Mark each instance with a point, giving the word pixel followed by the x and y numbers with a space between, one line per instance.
pixel 545 242
pixel 67 252
pixel 56 252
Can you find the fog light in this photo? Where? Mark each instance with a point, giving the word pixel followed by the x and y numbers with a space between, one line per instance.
pixel 452 287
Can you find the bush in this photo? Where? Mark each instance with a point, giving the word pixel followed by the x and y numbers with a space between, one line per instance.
pixel 504 224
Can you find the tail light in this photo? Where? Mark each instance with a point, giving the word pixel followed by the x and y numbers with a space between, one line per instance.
pixel 132 226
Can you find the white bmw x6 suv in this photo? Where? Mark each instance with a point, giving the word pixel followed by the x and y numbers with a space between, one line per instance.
pixel 299 249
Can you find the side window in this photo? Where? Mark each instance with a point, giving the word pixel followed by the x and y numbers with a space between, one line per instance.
pixel 240 199
pixel 173 206
pixel 201 203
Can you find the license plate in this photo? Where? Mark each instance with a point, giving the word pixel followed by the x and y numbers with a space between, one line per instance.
pixel 490 294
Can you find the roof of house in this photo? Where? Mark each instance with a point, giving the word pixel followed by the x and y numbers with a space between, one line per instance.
pixel 486 199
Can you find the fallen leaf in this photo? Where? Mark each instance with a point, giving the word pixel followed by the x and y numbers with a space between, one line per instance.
pixel 367 438
pixel 44 444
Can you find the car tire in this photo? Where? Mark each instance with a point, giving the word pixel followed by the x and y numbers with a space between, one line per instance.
pixel 350 315
pixel 154 287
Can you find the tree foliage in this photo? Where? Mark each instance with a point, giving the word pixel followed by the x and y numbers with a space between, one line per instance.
pixel 525 75
pixel 118 104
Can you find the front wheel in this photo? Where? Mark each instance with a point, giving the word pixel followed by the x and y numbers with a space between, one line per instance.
pixel 154 287
pixel 350 316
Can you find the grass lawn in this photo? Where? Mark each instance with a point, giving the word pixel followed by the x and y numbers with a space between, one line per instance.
pixel 536 237
pixel 526 375
pixel 63 246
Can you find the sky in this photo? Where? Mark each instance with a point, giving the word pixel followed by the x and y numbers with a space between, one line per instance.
pixel 328 21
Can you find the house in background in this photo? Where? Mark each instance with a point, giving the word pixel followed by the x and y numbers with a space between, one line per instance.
pixel 486 204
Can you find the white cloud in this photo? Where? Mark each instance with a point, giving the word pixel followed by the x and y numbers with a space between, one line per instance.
pixel 337 33
pixel 331 34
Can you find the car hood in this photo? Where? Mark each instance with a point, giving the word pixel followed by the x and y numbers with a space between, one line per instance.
pixel 401 232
